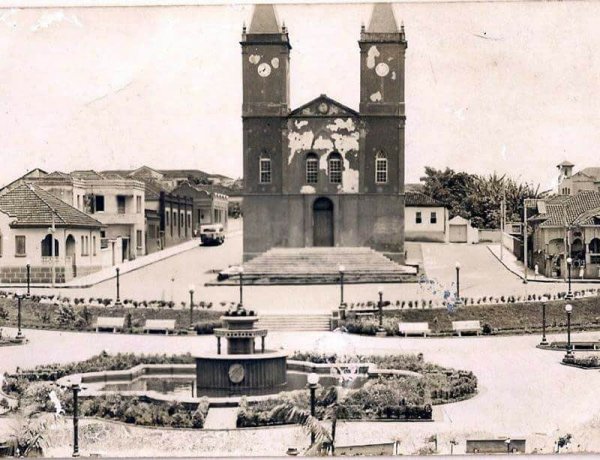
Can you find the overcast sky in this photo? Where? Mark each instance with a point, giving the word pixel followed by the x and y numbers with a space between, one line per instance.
pixel 510 87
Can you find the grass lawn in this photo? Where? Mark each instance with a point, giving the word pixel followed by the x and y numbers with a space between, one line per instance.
pixel 508 317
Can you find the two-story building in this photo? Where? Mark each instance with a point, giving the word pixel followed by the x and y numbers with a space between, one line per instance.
pixel 41 231
pixel 570 183
pixel 210 206
pixel 116 202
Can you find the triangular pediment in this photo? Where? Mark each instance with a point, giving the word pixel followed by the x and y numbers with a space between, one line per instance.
pixel 323 106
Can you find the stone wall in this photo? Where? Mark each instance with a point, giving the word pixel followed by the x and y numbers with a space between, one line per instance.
pixel 38 274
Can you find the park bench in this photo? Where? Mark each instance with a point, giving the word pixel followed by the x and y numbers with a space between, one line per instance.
pixel 466 326
pixel 159 325
pixel 110 322
pixel 414 328
pixel 366 315
pixel 495 446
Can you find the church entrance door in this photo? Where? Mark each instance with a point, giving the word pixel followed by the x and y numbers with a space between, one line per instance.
pixel 323 222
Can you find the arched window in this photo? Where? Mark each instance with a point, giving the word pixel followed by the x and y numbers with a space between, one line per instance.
pixel 595 246
pixel 312 168
pixel 264 169
pixel 334 168
pixel 381 168
pixel 47 246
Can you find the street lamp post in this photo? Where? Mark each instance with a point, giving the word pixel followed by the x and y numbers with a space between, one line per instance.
pixel 569 309
pixel 313 383
pixel 380 307
pixel 118 301
pixel 458 299
pixel 191 289
pixel 569 263
pixel 241 273
pixel 544 341
pixel 20 335
pixel 28 278
pixel 76 389
pixel 341 269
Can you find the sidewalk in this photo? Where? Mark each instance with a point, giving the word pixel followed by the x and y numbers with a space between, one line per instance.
pixel 510 262
pixel 125 267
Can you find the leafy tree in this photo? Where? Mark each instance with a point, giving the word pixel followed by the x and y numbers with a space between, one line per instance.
pixel 476 197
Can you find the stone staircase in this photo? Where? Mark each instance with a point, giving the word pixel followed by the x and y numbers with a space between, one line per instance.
pixel 321 265
pixel 295 322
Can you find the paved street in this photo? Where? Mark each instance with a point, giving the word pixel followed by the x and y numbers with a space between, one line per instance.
pixel 481 275
pixel 523 391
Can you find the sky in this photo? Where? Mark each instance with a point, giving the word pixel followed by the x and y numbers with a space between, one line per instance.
pixel 506 87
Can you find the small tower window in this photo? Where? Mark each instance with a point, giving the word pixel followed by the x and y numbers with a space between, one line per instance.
pixel 265 170
pixel 381 168
pixel 334 168
pixel 312 168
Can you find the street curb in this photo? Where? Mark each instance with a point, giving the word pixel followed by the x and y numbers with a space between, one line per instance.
pixel 518 275
pixel 85 286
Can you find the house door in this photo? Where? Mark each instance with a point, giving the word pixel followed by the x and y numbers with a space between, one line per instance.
pixel 323 222
pixel 71 253
pixel 458 233
pixel 125 249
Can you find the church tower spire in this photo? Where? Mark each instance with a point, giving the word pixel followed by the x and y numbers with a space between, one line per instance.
pixel 264 20
pixel 383 20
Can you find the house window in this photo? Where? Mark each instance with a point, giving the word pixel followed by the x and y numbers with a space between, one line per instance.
pixel 85 246
pixel 595 251
pixel 167 219
pixel 20 246
pixel 334 168
pixel 138 238
pixel 98 203
pixel 94 245
pixel 138 204
pixel 312 168
pixel 120 204
pixel 189 219
pixel 418 218
pixel 265 170
pixel 103 240
pixel 78 201
pixel 181 219
pixel 433 218
pixel 381 168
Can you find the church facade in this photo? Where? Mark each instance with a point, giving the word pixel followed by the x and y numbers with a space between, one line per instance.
pixel 323 174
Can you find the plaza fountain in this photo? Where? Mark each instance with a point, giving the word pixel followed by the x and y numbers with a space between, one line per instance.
pixel 244 369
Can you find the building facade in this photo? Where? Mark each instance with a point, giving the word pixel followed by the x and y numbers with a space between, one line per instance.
pixel 569 183
pixel 323 174
pixel 566 226
pixel 210 207
pixel 425 219
pixel 116 202
pixel 49 235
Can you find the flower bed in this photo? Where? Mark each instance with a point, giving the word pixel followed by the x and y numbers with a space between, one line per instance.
pixel 79 316
pixel 390 397
pixel 590 362
pixel 33 388
pixel 515 317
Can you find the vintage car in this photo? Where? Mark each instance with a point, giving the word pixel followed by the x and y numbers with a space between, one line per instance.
pixel 212 234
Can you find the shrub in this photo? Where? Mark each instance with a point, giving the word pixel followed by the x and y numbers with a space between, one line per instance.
pixel 486 329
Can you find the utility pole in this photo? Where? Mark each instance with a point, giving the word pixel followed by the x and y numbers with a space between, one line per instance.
pixel 502 219
pixel 52 230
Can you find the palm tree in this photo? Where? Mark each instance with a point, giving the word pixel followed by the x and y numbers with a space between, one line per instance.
pixel 324 438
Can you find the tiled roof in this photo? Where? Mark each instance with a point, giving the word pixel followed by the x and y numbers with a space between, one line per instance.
pixel 33 207
pixel 420 199
pixel 152 188
pixel 591 172
pixel 572 208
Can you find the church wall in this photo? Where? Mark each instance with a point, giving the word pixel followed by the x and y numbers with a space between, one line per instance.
pixel 262 136
pixel 322 136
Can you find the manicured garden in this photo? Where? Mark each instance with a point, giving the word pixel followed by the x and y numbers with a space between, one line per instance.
pixel 81 314
pixel 519 317
pixel 387 397
pixel 32 389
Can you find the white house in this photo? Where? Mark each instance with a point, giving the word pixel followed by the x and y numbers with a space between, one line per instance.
pixel 31 219
pixel 424 218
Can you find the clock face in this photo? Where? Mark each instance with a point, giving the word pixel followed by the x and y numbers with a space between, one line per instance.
pixel 264 69
pixel 323 107
pixel 382 69
pixel 236 373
